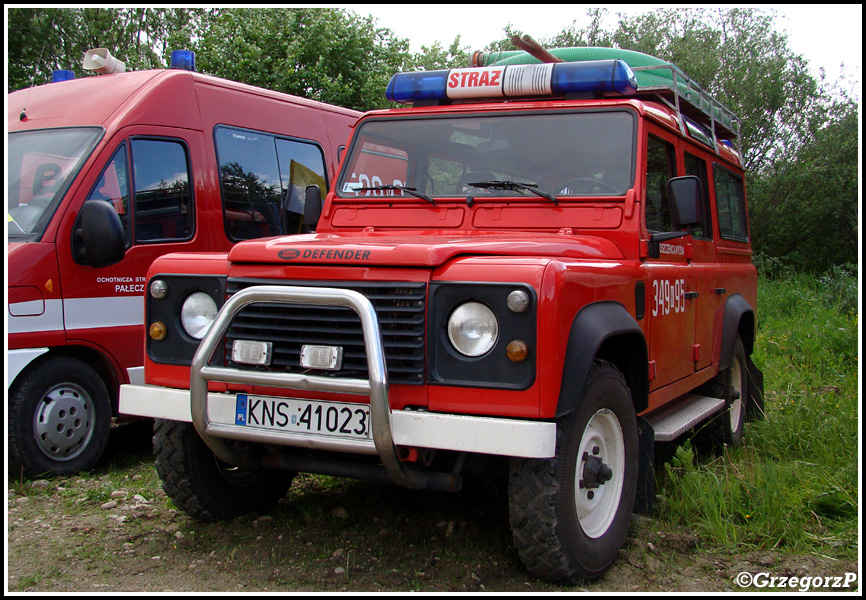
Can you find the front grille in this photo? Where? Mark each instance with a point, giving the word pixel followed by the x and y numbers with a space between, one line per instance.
pixel 400 307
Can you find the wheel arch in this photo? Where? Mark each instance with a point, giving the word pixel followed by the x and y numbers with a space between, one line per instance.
pixel 604 330
pixel 93 358
pixel 739 320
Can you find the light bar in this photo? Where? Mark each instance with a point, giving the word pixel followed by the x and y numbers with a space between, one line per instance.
pixel 547 79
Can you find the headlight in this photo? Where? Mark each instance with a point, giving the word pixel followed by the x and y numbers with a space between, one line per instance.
pixel 197 313
pixel 473 329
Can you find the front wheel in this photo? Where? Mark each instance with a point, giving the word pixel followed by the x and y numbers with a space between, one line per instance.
pixel 59 418
pixel 570 514
pixel 203 486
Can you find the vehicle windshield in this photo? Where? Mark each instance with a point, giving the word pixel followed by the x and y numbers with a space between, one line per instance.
pixel 533 155
pixel 42 165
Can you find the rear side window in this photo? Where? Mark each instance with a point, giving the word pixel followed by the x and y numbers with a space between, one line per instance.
pixel 264 180
pixel 731 205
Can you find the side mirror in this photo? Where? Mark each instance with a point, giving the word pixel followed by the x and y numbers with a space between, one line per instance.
pixel 97 238
pixel 312 207
pixel 684 197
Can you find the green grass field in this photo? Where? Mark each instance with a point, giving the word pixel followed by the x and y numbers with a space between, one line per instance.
pixel 794 483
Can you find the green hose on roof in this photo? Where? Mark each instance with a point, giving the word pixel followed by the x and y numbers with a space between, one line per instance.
pixel 660 77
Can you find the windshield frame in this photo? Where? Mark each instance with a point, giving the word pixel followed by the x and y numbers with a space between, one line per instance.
pixel 40 224
pixel 501 195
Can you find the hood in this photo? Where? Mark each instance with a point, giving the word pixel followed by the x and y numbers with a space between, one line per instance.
pixel 428 249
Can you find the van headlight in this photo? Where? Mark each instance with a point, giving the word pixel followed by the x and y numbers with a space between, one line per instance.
pixel 473 329
pixel 197 313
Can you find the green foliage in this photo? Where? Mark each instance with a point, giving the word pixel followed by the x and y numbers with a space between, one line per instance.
pixel 794 485
pixel 42 40
pixel 324 54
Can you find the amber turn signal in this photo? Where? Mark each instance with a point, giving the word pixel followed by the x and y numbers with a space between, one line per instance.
pixel 157 330
pixel 517 351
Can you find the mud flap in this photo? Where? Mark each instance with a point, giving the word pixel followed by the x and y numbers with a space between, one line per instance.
pixel 643 502
pixel 755 405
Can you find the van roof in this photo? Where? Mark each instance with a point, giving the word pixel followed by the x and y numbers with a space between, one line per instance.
pixel 100 99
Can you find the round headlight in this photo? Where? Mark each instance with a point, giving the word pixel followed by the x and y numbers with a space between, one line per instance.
pixel 473 329
pixel 197 313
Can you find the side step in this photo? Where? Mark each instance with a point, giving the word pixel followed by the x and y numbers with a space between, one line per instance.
pixel 672 421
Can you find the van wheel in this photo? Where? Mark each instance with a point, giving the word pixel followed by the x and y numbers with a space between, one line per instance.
pixel 570 513
pixel 203 486
pixel 59 417
pixel 726 428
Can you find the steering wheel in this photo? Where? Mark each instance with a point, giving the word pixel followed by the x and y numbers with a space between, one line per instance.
pixel 591 183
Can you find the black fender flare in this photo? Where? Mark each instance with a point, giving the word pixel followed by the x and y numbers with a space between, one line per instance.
pixel 739 320
pixel 593 326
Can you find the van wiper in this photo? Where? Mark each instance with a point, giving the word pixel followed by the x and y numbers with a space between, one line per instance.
pixel 515 185
pixel 412 191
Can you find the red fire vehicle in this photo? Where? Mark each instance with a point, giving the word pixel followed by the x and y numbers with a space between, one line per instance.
pixel 104 175
pixel 545 261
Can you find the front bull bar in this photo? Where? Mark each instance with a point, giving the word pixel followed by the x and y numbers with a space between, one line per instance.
pixel 215 435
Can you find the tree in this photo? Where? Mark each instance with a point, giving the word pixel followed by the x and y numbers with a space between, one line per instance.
pixel 43 40
pixel 328 55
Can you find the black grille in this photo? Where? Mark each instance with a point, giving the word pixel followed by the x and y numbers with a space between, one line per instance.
pixel 400 307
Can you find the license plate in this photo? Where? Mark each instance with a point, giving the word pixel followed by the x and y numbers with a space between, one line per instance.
pixel 339 419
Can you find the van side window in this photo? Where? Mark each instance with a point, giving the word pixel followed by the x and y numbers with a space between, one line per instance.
pixel 113 187
pixel 660 168
pixel 163 198
pixel 730 203
pixel 698 167
pixel 263 180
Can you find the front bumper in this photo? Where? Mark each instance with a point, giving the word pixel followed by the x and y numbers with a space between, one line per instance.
pixel 213 414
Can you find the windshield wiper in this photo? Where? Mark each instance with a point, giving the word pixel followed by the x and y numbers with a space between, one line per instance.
pixel 410 190
pixel 515 185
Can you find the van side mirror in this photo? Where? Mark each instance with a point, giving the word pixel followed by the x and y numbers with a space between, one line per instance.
pixel 684 197
pixel 312 207
pixel 97 237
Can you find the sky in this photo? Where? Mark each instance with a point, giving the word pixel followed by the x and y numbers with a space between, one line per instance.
pixel 826 35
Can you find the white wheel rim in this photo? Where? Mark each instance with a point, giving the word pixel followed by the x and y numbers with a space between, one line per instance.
pixel 597 504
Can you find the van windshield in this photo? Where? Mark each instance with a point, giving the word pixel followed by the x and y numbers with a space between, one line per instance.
pixel 550 154
pixel 42 164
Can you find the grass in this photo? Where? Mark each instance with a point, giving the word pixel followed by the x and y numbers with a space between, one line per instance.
pixel 794 483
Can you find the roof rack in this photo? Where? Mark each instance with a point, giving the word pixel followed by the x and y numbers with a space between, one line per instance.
pixel 654 76
pixel 683 95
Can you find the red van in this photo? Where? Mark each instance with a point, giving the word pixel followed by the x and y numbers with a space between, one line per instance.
pixel 186 162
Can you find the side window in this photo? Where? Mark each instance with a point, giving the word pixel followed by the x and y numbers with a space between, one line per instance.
pixel 698 167
pixel 301 165
pixel 659 169
pixel 113 187
pixel 163 197
pixel 731 205
pixel 264 180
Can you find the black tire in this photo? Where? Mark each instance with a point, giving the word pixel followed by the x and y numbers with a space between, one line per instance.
pixel 59 418
pixel 726 428
pixel 206 488
pixel 568 518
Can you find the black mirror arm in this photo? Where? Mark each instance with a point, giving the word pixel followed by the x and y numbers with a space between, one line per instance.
pixel 657 238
